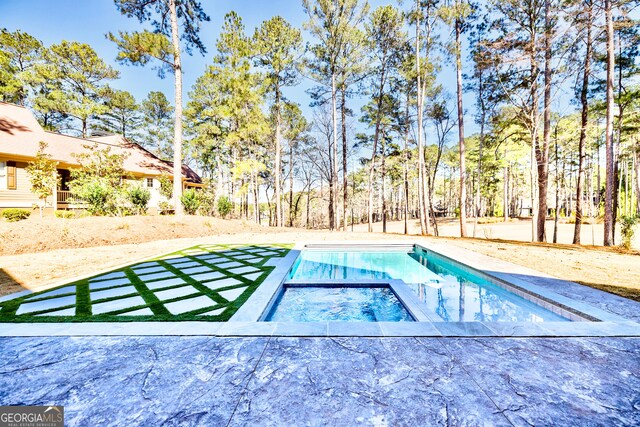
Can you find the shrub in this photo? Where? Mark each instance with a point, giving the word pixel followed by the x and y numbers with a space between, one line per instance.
pixel 65 214
pixel 13 215
pixel 98 182
pixel 139 197
pixel 119 203
pixel 43 175
pixel 166 185
pixel 95 194
pixel 627 225
pixel 165 208
pixel 190 201
pixel 207 203
pixel 224 206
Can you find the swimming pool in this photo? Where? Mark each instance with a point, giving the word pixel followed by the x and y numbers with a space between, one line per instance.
pixel 446 291
pixel 338 303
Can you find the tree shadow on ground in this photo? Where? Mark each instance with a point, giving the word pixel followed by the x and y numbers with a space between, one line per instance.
pixel 8 284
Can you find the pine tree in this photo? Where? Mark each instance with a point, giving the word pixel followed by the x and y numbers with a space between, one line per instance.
pixel 331 22
pixel 75 78
pixel 157 121
pixel 278 47
pixel 458 15
pixel 164 45
pixel 384 31
pixel 19 53
pixel 122 115
pixel 585 22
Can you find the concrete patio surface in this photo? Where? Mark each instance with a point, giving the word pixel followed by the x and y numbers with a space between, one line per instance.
pixel 326 381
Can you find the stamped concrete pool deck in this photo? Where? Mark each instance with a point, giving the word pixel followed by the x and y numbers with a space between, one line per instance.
pixel 326 381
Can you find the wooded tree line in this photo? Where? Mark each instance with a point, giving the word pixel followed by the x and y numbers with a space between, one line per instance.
pixel 556 108
pixel 67 87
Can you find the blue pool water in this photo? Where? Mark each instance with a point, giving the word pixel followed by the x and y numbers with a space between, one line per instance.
pixel 467 297
pixel 359 265
pixel 316 304
pixel 450 292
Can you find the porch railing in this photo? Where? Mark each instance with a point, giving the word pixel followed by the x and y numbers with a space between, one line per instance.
pixel 65 197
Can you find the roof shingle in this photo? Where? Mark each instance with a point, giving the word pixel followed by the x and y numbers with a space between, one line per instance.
pixel 20 135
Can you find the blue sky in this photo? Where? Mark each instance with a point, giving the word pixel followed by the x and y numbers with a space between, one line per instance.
pixel 88 21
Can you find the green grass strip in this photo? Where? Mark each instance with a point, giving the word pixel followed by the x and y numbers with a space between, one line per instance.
pixel 160 312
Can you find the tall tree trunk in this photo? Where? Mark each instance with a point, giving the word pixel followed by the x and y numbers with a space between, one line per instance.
pixel 376 138
pixel 616 148
pixel 636 163
pixel 535 143
pixel 424 227
pixel 463 169
pixel 335 154
pixel 292 212
pixel 406 167
pixel 308 205
pixel 555 217
pixel 430 186
pixel 505 191
pixel 626 187
pixel 343 111
pixel 609 154
pixel 382 190
pixel 533 177
pixel 219 184
pixel 483 114
pixel 370 202
pixel 589 183
pixel 256 198
pixel 542 153
pixel 177 135
pixel 278 162
pixel 598 178
pixel 332 224
pixel 584 121
pixel 334 171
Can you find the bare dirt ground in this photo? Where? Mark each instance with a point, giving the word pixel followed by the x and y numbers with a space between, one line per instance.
pixel 37 234
pixel 37 254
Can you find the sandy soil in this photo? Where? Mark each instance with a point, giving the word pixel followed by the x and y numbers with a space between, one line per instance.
pixel 44 234
pixel 37 254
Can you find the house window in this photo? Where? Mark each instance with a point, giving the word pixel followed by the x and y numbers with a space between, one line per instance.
pixel 3 176
pixel 150 182
pixel 12 179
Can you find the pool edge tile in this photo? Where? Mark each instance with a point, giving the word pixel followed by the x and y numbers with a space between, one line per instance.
pixel 409 329
pixel 246 329
pixel 300 329
pixel 463 329
pixel 354 329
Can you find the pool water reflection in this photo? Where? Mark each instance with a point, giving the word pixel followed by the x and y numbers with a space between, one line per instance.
pixel 464 297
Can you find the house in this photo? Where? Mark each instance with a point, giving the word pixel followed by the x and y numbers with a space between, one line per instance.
pixel 20 136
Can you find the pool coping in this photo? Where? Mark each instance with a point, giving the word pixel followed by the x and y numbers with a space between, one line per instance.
pixel 246 321
pixel 628 329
